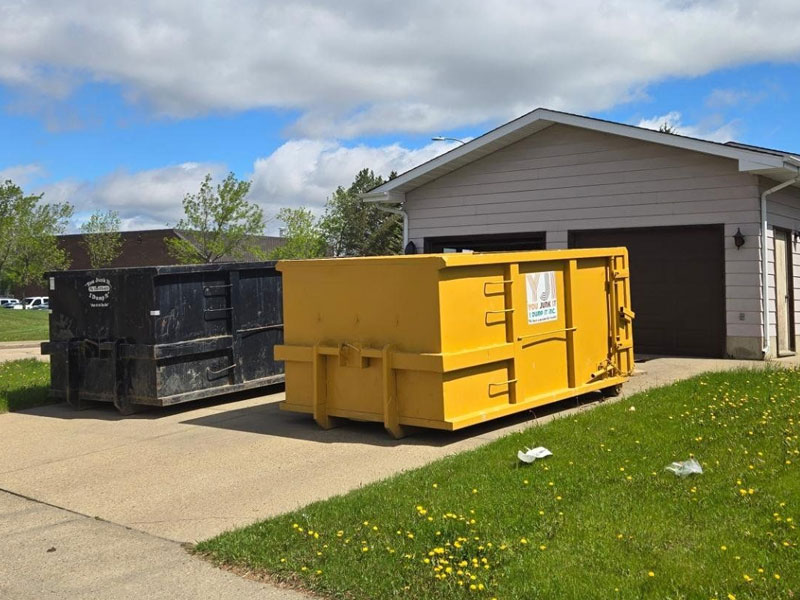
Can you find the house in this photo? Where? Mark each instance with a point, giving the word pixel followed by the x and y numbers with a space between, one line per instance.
pixel 711 228
pixel 139 249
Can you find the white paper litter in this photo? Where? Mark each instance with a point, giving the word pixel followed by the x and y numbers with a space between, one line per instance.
pixel 531 454
pixel 686 467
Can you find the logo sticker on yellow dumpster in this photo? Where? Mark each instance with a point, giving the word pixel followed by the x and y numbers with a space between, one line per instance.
pixel 542 301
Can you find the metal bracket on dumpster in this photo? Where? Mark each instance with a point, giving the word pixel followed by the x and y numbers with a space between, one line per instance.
pixel 260 328
pixel 621 344
pixel 503 283
pixel 210 314
pixel 497 312
pixel 351 355
pixel 543 333
pixel 209 372
pixel 626 313
pixel 208 288
pixel 501 383
pixel 621 274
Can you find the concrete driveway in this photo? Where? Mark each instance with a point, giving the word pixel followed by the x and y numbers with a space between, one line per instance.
pixel 190 472
pixel 19 350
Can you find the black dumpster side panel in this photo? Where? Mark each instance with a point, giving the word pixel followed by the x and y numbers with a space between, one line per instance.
pixel 163 335
pixel 192 306
pixel 260 323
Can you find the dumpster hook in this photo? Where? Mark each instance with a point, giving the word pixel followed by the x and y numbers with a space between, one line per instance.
pixel 209 372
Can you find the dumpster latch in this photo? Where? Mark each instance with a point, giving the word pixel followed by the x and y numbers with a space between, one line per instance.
pixel 351 355
pixel 626 313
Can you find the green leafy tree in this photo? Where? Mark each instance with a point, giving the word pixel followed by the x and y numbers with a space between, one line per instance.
pixel 218 223
pixel 101 238
pixel 28 229
pixel 303 236
pixel 353 227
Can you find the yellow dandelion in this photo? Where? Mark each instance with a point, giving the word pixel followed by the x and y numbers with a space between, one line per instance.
pixel 651 574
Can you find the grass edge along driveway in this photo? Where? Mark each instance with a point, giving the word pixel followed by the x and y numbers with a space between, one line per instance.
pixel 601 518
pixel 24 384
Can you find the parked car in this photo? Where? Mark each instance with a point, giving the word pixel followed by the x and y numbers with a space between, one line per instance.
pixel 8 302
pixel 43 306
pixel 36 303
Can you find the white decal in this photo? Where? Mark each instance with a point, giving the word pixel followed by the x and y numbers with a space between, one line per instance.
pixel 99 290
pixel 541 294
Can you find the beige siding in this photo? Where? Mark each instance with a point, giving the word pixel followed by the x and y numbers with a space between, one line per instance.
pixel 565 178
pixel 783 210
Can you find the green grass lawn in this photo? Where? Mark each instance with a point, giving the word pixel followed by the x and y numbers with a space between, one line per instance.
pixel 23 325
pixel 23 384
pixel 601 518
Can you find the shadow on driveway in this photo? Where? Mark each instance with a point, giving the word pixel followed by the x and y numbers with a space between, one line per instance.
pixel 105 411
pixel 268 419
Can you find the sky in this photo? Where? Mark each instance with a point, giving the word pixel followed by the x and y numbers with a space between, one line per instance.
pixel 126 106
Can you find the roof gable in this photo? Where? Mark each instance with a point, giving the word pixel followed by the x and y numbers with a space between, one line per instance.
pixel 760 161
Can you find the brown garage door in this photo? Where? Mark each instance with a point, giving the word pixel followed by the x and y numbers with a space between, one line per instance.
pixel 677 286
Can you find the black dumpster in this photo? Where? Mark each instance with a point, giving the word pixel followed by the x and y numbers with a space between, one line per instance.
pixel 162 335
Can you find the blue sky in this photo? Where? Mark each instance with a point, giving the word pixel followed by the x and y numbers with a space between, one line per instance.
pixel 126 109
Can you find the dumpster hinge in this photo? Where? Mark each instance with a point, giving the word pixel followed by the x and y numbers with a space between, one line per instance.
pixel 626 313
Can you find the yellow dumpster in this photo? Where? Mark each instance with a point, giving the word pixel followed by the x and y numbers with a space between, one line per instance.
pixel 450 340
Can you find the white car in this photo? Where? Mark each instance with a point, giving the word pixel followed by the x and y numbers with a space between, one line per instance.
pixel 35 303
pixel 7 302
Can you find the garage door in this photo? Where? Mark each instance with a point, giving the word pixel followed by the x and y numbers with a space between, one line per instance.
pixel 677 286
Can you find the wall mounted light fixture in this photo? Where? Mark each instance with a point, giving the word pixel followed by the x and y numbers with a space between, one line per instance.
pixel 738 238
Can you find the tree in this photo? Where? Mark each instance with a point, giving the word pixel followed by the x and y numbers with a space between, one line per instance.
pixel 218 223
pixel 304 239
pixel 101 238
pixel 665 127
pixel 353 227
pixel 28 229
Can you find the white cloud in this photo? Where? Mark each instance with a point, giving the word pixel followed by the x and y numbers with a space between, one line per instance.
pixel 354 67
pixel 21 174
pixel 299 173
pixel 305 172
pixel 144 199
pixel 711 129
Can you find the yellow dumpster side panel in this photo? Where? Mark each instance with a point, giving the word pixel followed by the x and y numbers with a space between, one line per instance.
pixel 480 389
pixel 299 395
pixel 472 307
pixel 592 313
pixel 447 341
pixel 361 303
